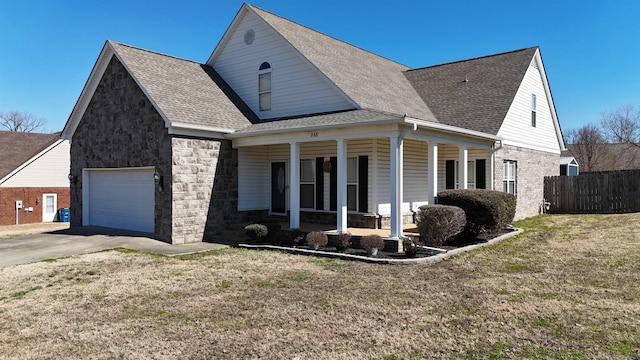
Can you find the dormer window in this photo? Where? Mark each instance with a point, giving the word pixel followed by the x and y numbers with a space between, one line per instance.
pixel 264 86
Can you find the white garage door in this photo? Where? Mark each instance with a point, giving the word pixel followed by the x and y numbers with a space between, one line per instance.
pixel 121 199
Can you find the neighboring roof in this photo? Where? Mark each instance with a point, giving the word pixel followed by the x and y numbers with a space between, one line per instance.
pixel 343 118
pixel 482 101
pixel 369 80
pixel 186 92
pixel 605 157
pixel 16 148
pixel 566 160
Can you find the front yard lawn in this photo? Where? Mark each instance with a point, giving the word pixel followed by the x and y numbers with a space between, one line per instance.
pixel 566 288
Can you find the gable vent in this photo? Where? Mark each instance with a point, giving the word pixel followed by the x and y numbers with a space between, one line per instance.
pixel 534 63
pixel 249 36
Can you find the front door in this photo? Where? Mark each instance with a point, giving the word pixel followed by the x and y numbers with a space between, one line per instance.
pixel 49 206
pixel 278 188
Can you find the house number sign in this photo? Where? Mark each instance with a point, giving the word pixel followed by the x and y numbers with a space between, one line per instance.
pixel 314 134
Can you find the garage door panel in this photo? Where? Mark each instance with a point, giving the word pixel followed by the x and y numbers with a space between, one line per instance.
pixel 122 199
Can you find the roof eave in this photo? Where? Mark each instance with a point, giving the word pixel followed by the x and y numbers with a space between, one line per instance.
pixel 450 128
pixel 311 127
pixel 199 130
pixel 87 91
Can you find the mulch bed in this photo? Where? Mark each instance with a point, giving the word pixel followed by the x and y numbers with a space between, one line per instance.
pixel 448 246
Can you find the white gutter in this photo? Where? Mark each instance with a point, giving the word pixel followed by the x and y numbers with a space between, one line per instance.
pixel 201 128
pixel 449 128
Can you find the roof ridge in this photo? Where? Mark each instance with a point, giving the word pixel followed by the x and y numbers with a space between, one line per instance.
pixel 327 35
pixel 475 58
pixel 154 52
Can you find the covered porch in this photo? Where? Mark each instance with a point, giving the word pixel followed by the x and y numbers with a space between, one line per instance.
pixel 368 177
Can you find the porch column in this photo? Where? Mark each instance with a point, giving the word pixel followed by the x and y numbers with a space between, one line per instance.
pixel 341 214
pixel 294 186
pixel 463 171
pixel 432 176
pixel 396 186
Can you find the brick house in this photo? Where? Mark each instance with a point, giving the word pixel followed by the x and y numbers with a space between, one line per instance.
pixel 33 171
pixel 284 120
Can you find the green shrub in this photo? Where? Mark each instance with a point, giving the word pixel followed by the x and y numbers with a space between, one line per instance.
pixel 256 232
pixel 486 210
pixel 439 223
pixel 317 238
pixel 372 241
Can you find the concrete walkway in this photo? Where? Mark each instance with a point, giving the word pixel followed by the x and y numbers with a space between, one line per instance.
pixel 87 239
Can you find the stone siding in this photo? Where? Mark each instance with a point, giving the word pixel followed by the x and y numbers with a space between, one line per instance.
pixel 532 167
pixel 205 188
pixel 121 129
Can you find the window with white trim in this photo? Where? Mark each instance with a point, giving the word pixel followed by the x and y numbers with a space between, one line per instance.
pixel 264 86
pixel 307 184
pixel 533 110
pixel 509 180
pixel 471 174
pixel 352 184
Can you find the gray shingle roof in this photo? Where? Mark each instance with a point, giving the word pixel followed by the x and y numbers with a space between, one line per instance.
pixel 344 118
pixel 185 91
pixel 371 81
pixel 18 147
pixel 482 102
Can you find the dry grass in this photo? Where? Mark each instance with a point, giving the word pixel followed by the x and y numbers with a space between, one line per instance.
pixel 10 231
pixel 567 288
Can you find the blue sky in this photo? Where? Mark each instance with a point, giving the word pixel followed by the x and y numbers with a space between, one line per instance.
pixel 590 49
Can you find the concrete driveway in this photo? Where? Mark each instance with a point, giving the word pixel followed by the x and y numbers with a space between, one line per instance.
pixel 87 239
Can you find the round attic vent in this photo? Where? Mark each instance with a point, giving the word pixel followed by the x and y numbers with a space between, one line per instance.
pixel 249 36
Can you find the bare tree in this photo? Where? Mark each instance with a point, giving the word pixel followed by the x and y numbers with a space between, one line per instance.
pixel 622 125
pixel 587 145
pixel 21 121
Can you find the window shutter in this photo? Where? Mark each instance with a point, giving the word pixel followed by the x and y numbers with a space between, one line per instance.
pixel 319 183
pixel 363 184
pixel 333 184
pixel 450 174
pixel 481 174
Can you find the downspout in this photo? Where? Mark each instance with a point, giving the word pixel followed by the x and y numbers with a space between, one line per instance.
pixel 494 149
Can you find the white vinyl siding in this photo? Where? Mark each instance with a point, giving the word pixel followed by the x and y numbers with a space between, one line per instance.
pixel 253 171
pixel 450 152
pixel 516 128
pixel 296 88
pixel 50 169
pixel 253 179
pixel 415 173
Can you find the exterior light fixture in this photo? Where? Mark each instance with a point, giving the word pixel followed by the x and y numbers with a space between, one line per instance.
pixel 72 178
pixel 156 177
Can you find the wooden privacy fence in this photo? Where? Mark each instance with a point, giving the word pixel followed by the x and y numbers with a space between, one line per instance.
pixel 604 192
